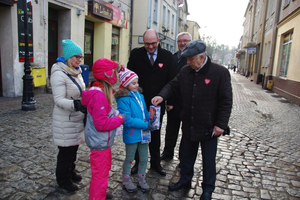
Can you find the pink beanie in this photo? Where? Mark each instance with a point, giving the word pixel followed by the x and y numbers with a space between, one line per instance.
pixel 103 69
pixel 126 76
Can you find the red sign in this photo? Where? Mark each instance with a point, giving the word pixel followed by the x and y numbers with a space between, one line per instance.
pixel 120 18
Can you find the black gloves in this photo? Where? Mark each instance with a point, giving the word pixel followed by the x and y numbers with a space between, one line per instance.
pixel 78 106
pixel 150 126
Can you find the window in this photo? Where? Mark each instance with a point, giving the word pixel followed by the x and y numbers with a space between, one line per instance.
pixel 169 17
pixel 115 43
pixel 285 57
pixel 173 21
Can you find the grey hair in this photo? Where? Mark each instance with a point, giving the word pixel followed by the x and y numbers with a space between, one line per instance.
pixel 184 33
pixel 198 55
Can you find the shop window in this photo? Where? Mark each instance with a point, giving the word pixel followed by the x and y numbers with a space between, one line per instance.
pixel 115 43
pixel 286 51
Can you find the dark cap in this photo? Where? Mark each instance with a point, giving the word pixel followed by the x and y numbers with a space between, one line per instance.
pixel 193 48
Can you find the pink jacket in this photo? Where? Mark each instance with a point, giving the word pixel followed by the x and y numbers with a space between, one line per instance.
pixel 102 122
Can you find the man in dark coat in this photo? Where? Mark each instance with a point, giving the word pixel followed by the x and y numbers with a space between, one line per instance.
pixel 206 93
pixel 152 78
pixel 173 111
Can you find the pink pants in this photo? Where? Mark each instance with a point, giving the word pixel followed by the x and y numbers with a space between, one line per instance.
pixel 100 165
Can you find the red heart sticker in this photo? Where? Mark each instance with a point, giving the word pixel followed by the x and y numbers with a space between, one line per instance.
pixel 160 65
pixel 207 81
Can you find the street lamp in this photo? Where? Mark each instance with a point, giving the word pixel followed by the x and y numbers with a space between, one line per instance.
pixel 28 102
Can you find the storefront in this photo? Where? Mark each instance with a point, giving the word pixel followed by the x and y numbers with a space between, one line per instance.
pixel 105 33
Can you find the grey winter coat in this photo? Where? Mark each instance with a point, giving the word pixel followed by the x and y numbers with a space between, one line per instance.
pixel 67 124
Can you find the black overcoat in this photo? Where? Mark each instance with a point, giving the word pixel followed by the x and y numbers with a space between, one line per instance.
pixel 175 99
pixel 151 78
pixel 206 97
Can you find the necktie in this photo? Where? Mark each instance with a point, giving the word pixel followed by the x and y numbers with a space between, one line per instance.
pixel 151 59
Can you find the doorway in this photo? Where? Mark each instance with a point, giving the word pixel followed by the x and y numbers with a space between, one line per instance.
pixel 89 44
pixel 52 39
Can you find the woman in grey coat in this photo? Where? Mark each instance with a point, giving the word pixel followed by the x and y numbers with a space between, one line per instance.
pixel 67 122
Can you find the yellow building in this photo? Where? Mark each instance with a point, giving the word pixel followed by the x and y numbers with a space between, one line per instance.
pixel 286 71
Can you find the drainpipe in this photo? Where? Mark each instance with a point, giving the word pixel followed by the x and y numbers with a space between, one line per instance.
pixel 262 41
pixel 274 36
pixel 150 16
pixel 131 19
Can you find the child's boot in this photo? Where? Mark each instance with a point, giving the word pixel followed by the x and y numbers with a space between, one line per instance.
pixel 128 185
pixel 142 183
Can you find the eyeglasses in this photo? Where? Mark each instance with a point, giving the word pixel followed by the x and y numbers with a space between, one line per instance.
pixel 148 44
pixel 79 57
pixel 183 41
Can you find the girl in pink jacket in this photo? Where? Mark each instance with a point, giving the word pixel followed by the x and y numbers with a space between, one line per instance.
pixel 103 123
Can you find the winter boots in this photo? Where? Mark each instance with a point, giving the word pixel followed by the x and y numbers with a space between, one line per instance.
pixel 142 183
pixel 128 185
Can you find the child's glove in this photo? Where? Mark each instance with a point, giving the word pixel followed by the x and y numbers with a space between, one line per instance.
pixel 78 106
pixel 124 116
pixel 150 126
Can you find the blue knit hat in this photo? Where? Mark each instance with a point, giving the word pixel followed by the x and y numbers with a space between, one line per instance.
pixel 70 49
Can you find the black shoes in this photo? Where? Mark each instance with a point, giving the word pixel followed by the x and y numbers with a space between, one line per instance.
pixel 70 187
pixel 135 168
pixel 158 169
pixel 109 195
pixel 179 186
pixel 76 178
pixel 166 157
pixel 205 196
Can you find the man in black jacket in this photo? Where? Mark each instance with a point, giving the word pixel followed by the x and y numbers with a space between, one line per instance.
pixel 173 111
pixel 152 78
pixel 206 93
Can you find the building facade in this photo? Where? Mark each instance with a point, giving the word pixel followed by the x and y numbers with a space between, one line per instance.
pixel 286 71
pixel 99 27
pixel 270 42
pixel 160 15
pixel 109 29
pixel 193 29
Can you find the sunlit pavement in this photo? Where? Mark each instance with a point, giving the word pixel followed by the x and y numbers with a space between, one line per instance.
pixel 259 160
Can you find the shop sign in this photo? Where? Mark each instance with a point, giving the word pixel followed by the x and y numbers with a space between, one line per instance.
pixel 251 50
pixel 102 10
pixel 120 17
pixel 21 33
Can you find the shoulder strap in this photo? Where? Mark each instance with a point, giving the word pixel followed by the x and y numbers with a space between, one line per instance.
pixel 74 81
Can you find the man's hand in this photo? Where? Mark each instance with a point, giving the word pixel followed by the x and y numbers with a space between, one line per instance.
pixel 169 107
pixel 156 100
pixel 217 131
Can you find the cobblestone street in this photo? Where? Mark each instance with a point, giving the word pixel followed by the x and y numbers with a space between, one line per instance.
pixel 259 160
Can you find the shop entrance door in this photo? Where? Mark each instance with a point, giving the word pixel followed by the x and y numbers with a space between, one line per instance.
pixel 88 44
pixel 52 39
